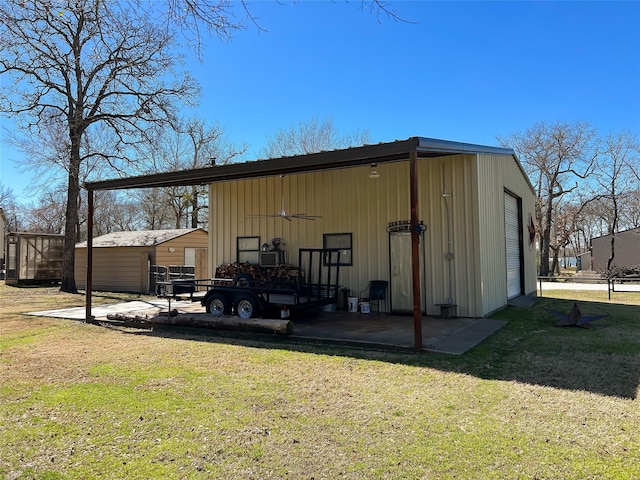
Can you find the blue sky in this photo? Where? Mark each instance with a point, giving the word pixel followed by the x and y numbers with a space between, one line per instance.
pixel 465 71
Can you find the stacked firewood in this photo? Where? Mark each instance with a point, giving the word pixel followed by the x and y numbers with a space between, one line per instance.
pixel 284 273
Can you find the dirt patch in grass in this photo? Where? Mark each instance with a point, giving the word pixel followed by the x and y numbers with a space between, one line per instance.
pixel 82 401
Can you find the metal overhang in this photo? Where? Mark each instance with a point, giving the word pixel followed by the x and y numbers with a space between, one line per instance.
pixel 380 153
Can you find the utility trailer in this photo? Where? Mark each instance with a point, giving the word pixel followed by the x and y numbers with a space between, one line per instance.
pixel 315 284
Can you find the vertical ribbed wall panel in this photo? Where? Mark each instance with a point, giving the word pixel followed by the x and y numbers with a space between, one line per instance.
pixel 347 199
pixel 351 202
pixel 447 207
pixel 496 174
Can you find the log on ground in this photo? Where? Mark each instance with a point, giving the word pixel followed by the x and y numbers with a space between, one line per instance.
pixel 202 320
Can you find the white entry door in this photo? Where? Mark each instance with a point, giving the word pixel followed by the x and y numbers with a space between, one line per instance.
pixel 513 245
pixel 401 285
pixel 401 273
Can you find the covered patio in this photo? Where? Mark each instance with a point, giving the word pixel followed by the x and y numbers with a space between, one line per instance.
pixel 452 336
pixel 240 189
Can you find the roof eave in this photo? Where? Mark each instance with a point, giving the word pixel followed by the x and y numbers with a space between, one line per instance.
pixel 354 156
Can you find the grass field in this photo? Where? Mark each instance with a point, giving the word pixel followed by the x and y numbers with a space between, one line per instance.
pixel 534 401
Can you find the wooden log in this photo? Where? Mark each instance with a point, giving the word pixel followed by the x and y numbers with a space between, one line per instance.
pixel 202 320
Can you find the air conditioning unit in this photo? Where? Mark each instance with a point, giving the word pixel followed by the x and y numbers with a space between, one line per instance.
pixel 272 259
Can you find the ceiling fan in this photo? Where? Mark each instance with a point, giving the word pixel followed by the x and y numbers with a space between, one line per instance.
pixel 283 213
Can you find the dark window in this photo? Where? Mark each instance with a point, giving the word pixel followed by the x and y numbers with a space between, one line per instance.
pixel 248 249
pixel 341 241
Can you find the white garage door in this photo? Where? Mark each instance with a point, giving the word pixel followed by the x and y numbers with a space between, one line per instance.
pixel 512 242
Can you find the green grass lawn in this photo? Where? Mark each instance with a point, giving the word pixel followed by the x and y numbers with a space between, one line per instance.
pixel 534 401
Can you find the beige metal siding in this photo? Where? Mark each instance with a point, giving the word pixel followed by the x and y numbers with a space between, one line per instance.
pixel 448 208
pixel 497 173
pixel 352 202
pixel 125 269
pixel 349 201
pixel 115 269
pixel 172 252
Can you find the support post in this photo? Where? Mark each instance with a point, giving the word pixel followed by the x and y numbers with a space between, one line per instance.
pixel 415 250
pixel 89 279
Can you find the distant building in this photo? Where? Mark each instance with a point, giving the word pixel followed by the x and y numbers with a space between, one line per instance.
pixel 3 245
pixel 626 249
pixel 34 258
pixel 122 261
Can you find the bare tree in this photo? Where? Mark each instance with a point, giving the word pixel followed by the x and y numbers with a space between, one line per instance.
pixel 114 211
pixel 6 195
pixel 87 64
pixel 12 210
pixel 557 158
pixel 616 180
pixel 47 214
pixel 153 208
pixel 310 137
pixel 631 214
pixel 187 144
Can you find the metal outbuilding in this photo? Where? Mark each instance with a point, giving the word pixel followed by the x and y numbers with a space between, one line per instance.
pixel 3 247
pixel 122 261
pixel 626 247
pixel 445 223
pixel 33 258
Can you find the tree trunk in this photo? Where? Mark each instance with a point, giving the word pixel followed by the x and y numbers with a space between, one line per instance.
pixel 546 235
pixel 544 251
pixel 612 254
pixel 194 208
pixel 613 229
pixel 555 264
pixel 202 320
pixel 71 223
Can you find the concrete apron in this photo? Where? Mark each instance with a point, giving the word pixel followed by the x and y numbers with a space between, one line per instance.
pixel 452 335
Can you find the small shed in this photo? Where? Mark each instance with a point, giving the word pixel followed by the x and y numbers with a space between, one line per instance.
pixel 3 246
pixel 123 261
pixel 626 246
pixel 33 258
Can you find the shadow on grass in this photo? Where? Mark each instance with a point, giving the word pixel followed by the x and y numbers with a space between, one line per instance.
pixel 530 349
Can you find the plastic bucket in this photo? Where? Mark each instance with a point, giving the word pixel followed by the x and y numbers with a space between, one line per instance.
pixel 352 304
pixel 364 307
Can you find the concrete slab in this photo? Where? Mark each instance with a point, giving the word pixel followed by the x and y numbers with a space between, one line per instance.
pixel 523 301
pixel 467 337
pixel 138 307
pixel 452 336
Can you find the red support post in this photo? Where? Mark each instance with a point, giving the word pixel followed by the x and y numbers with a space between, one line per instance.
pixel 89 280
pixel 415 249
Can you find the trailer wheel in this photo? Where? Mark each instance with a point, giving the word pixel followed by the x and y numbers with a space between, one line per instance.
pixel 247 307
pixel 217 305
pixel 244 280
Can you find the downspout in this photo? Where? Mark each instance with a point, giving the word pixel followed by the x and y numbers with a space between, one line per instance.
pixel 449 255
pixel 416 229
pixel 89 280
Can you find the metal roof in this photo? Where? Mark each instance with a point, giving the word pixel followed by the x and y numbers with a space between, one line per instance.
pixel 141 238
pixel 348 157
